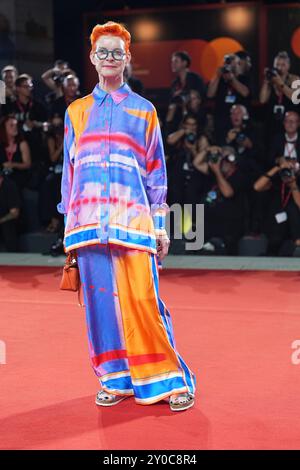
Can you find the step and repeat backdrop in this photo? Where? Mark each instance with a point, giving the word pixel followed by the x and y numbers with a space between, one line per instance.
pixel 207 33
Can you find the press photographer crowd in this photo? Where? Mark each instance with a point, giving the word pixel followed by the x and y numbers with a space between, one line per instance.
pixel 234 152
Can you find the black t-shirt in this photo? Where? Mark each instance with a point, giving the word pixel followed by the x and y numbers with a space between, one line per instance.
pixel 240 180
pixel 277 147
pixel 193 81
pixel 9 196
pixel 247 131
pixel 58 108
pixel 275 109
pixel 227 96
pixel 280 194
pixel 3 107
pixel 20 177
pixel 33 110
pixel 17 156
pixel 281 100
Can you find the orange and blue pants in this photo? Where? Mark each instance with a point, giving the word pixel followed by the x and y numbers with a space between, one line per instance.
pixel 130 332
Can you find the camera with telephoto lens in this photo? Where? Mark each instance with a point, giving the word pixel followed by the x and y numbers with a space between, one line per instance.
pixel 213 156
pixel 227 68
pixel 191 138
pixel 286 173
pixel 230 158
pixel 240 137
pixel 271 72
pixel 5 171
pixel 180 99
pixel 58 78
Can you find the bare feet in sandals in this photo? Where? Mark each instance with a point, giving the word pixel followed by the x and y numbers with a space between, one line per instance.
pixel 108 399
pixel 181 402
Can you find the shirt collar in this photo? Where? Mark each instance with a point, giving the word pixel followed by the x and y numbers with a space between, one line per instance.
pixel 291 139
pixel 118 95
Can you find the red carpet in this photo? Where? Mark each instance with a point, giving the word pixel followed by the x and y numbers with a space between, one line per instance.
pixel 235 330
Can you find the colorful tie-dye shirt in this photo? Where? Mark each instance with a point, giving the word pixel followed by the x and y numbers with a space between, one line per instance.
pixel 114 180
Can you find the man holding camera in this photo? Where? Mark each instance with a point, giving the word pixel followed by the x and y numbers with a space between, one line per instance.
pixel 32 117
pixel 287 142
pixel 54 78
pixel 283 215
pixel 245 63
pixel 228 177
pixel 184 145
pixel 276 93
pixel 185 81
pixel 228 87
pixel 240 135
pixel 29 112
pixel 70 87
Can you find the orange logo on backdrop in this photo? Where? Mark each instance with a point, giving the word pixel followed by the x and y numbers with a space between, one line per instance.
pixel 295 42
pixel 152 59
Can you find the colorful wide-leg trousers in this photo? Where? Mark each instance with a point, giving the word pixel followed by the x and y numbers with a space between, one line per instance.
pixel 130 333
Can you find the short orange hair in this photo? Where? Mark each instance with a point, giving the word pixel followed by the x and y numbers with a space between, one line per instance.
pixel 113 29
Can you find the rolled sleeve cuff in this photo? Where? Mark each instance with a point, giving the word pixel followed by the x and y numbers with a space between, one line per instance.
pixel 61 208
pixel 159 212
pixel 159 221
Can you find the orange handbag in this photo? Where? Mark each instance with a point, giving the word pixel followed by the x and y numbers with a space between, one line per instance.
pixel 71 278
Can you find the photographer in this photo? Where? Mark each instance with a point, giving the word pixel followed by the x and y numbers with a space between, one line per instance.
pixel 54 78
pixel 185 82
pixel 276 93
pixel 185 79
pixel 240 135
pixel 229 178
pixel 185 144
pixel 51 189
pixel 191 104
pixel 70 88
pixel 245 64
pixel 228 87
pixel 287 142
pixel 9 213
pixel 32 119
pixel 15 159
pixel 195 107
pixel 30 113
pixel 283 216
pixel 9 75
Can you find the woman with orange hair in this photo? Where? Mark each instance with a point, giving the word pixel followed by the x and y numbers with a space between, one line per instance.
pixel 113 197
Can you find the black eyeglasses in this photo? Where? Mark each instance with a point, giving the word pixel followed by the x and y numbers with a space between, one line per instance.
pixel 103 53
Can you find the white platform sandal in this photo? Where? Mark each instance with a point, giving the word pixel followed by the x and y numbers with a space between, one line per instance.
pixel 108 399
pixel 181 402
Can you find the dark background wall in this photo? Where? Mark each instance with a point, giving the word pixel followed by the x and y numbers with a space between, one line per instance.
pixel 272 29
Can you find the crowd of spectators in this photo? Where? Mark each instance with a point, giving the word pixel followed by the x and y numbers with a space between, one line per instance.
pixel 244 170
